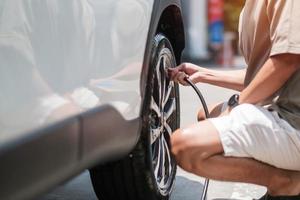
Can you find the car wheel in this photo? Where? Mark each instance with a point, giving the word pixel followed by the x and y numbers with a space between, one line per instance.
pixel 149 171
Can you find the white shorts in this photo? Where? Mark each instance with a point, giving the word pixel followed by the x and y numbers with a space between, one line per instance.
pixel 255 132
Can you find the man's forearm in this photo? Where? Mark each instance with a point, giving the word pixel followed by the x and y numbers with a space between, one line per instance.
pixel 272 76
pixel 233 79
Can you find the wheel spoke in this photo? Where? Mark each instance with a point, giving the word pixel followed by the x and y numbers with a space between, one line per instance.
pixel 167 161
pixel 154 107
pixel 155 152
pixel 155 133
pixel 163 81
pixel 168 93
pixel 170 108
pixel 168 129
pixel 159 83
pixel 162 162
pixel 159 161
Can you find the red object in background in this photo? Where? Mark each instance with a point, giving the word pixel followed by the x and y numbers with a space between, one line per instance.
pixel 215 10
pixel 216 23
pixel 220 42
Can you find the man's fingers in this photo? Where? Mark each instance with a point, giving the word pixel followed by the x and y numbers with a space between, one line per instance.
pixel 172 72
pixel 193 78
pixel 179 78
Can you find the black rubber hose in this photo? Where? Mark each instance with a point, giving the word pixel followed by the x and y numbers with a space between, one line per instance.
pixel 199 95
pixel 206 183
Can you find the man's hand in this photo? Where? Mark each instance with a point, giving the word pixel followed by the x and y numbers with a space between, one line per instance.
pixel 194 73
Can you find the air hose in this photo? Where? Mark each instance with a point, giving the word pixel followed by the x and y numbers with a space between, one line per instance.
pixel 199 95
pixel 206 183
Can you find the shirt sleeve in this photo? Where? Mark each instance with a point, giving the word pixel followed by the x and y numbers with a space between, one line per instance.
pixel 284 19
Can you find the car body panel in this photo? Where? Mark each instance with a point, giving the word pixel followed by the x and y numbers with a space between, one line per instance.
pixel 61 58
pixel 116 139
pixel 37 162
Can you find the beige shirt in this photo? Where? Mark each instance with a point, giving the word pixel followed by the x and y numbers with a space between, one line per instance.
pixel 268 28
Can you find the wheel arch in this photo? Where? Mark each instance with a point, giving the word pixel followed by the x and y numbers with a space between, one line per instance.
pixel 171 25
pixel 166 19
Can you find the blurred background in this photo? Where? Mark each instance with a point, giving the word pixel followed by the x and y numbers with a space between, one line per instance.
pixel 212 31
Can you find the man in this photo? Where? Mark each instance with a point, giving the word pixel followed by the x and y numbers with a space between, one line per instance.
pixel 248 141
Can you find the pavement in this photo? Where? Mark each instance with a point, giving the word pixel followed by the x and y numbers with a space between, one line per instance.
pixel 187 186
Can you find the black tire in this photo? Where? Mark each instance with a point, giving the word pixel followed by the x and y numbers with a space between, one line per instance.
pixel 148 172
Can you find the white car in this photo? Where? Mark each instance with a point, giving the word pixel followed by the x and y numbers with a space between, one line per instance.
pixel 83 85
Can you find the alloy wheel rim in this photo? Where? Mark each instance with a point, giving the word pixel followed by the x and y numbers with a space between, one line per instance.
pixel 162 122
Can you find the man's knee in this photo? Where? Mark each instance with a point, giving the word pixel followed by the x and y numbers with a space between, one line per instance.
pixel 201 115
pixel 184 152
pixel 177 142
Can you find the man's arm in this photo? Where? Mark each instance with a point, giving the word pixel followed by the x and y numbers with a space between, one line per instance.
pixel 271 77
pixel 231 79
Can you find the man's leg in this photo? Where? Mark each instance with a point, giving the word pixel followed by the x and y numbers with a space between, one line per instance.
pixel 198 149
